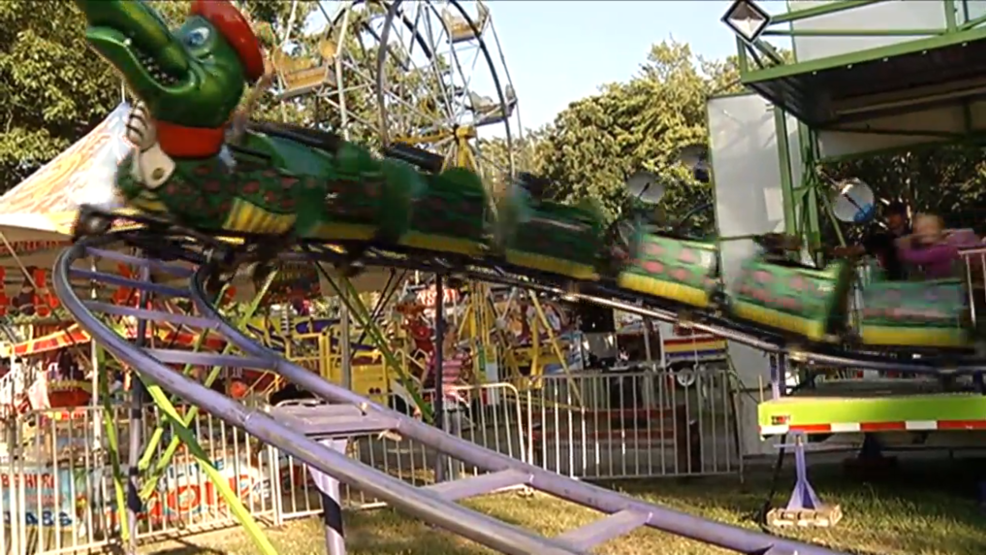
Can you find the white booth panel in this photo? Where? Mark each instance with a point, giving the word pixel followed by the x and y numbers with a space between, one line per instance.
pixel 884 16
pixel 747 173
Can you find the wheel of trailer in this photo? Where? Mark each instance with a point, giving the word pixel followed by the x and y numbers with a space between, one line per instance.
pixel 442 83
pixel 684 374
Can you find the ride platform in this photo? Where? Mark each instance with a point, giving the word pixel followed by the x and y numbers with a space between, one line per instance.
pixel 860 62
pixel 881 406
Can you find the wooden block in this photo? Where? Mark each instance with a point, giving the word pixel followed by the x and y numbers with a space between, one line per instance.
pixel 824 517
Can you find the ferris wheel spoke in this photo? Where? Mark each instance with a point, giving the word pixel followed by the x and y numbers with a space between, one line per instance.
pixel 421 72
pixel 447 93
pixel 424 104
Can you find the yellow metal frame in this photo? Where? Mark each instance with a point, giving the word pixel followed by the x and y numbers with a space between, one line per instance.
pixel 371 380
pixel 463 154
pixel 924 337
pixel 812 329
pixel 664 289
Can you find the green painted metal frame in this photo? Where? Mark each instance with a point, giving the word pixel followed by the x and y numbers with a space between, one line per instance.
pixel 349 296
pixel 802 201
pixel 179 424
pixel 160 468
pixel 821 411
pixel 952 34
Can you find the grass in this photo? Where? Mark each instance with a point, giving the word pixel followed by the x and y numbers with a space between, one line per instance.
pixel 918 510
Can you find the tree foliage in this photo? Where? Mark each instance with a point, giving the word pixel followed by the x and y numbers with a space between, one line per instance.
pixel 597 142
pixel 55 89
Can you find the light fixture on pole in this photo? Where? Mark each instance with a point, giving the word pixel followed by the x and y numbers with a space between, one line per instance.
pixel 747 20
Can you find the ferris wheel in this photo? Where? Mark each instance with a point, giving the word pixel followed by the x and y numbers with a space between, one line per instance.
pixel 429 74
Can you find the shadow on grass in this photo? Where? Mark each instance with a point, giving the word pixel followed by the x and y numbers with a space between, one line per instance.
pixel 183 547
pixel 919 507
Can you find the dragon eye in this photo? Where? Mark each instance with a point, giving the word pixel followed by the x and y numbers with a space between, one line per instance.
pixel 197 37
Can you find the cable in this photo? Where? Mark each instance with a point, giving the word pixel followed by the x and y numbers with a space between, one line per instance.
pixel 761 515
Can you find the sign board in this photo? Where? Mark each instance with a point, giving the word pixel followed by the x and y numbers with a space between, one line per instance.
pixel 59 496
pixel 429 295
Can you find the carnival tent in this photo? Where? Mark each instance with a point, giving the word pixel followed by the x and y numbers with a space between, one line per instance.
pixel 40 210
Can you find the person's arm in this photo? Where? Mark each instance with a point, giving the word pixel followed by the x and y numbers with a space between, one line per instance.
pixel 934 254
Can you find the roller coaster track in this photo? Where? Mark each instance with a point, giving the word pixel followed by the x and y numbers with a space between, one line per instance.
pixel 601 293
pixel 352 415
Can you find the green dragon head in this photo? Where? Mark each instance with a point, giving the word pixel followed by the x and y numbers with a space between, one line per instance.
pixel 192 77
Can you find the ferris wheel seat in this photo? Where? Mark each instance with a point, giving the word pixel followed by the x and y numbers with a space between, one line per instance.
pixel 479 103
pixel 304 81
pixel 489 111
pixel 301 75
pixel 461 29
pixel 491 119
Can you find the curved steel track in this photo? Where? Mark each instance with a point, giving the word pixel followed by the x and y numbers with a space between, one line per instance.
pixel 355 415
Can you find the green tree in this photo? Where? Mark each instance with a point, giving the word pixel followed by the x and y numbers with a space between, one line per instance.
pixel 55 89
pixel 597 142
pixel 494 158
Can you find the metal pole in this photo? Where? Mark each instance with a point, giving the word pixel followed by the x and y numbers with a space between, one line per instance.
pixel 137 394
pixel 97 421
pixel 778 375
pixel 344 339
pixel 439 395
pixel 328 487
pixel 647 327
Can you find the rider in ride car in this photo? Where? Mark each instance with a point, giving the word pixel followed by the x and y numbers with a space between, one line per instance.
pixel 881 243
pixel 928 248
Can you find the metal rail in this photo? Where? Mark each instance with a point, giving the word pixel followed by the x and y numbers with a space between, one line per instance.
pixel 354 414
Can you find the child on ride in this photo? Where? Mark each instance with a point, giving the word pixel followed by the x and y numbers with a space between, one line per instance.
pixel 455 364
pixel 929 248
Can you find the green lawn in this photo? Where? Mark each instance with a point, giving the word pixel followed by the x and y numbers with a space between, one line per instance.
pixel 925 510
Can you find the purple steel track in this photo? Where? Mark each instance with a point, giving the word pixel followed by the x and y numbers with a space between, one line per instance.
pixel 356 414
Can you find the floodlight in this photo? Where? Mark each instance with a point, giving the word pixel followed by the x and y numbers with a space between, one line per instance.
pixel 747 20
pixel 854 202
pixel 644 186
pixel 696 158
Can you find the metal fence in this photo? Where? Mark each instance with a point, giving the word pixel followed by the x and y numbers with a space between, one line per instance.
pixel 598 426
pixel 58 495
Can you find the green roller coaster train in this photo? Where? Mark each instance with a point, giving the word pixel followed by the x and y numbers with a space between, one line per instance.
pixel 287 186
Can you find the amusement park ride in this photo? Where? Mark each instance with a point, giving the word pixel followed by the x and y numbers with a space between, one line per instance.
pixel 198 204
